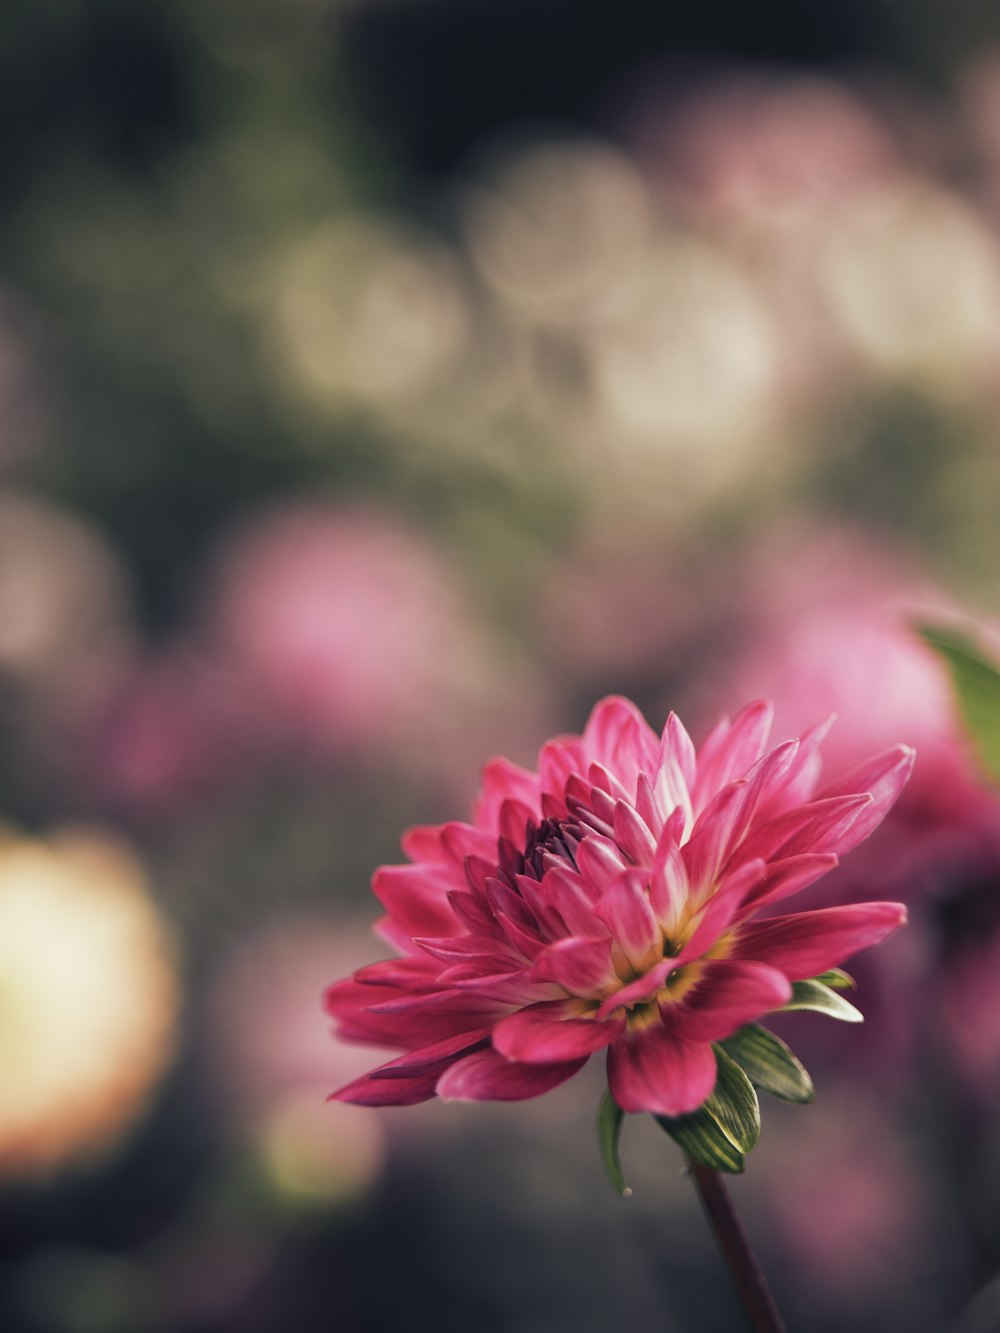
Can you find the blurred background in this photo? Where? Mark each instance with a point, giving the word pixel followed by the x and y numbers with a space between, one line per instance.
pixel 381 382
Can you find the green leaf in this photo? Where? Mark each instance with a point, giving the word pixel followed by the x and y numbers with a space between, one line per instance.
pixel 814 995
pixel 733 1103
pixel 770 1065
pixel 977 685
pixel 725 1126
pixel 609 1124
pixel 838 979
pixel 703 1138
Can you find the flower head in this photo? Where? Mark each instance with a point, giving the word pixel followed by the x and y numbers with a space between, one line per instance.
pixel 607 900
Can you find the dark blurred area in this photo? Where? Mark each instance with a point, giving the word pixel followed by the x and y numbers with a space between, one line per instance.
pixel 380 383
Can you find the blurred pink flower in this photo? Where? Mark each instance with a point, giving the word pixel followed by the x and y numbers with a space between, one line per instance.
pixel 968 997
pixel 168 732
pixel 345 630
pixel 778 156
pixel 853 1216
pixel 605 901
pixel 266 1063
pixel 828 630
pixel 260 1039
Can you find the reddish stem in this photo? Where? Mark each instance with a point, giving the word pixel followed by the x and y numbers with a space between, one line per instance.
pixel 744 1269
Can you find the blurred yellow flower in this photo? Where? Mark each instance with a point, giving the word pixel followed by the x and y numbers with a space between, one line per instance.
pixel 88 998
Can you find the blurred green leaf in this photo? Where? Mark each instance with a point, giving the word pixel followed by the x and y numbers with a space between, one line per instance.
pixel 977 686
pixel 837 978
pixel 609 1124
pixel 769 1064
pixel 816 996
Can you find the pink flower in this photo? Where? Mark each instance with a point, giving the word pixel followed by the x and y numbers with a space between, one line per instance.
pixel 606 901
pixel 314 609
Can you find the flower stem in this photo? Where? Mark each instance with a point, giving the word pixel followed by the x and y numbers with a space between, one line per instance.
pixel 744 1269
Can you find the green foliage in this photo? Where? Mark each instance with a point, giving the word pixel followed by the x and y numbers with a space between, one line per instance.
pixel 821 999
pixel 609 1125
pixel 977 686
pixel 726 1127
pixel 838 979
pixel 769 1064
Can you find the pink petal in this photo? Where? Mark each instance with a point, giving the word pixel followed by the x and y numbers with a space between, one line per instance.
pixel 502 898
pixel 369 1091
pixel 884 777
pixel 514 819
pixel 675 771
pixel 808 943
pixel 409 974
pixel 721 910
pixel 557 762
pixel 566 893
pixel 448 1003
pixel 528 941
pixel 788 876
pixel 820 826
pixel 798 784
pixel 488 1076
pixel 605 784
pixel 502 780
pixel 731 750
pixel 581 965
pixel 643 988
pixel 403 1020
pixel 632 835
pixel 650 1069
pixel 548 920
pixel 472 911
pixel 669 887
pixel 724 822
pixel 619 737
pixel 416 898
pixel 423 843
pixel 468 948
pixel 481 979
pixel 553 1032
pixel 624 908
pixel 645 803
pixel 719 825
pixel 462 840
pixel 432 1059
pixel 728 994
pixel 599 861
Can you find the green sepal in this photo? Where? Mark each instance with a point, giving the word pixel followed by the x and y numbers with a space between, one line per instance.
pixel 838 979
pixel 609 1125
pixel 704 1140
pixel 734 1103
pixel 770 1065
pixel 821 999
pixel 726 1126
pixel 977 687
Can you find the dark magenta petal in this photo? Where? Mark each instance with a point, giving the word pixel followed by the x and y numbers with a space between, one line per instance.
pixel 553 1032
pixel 371 1091
pixel 650 1069
pixel 489 1076
pixel 580 966
pixel 729 993
pixel 416 898
pixel 808 943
